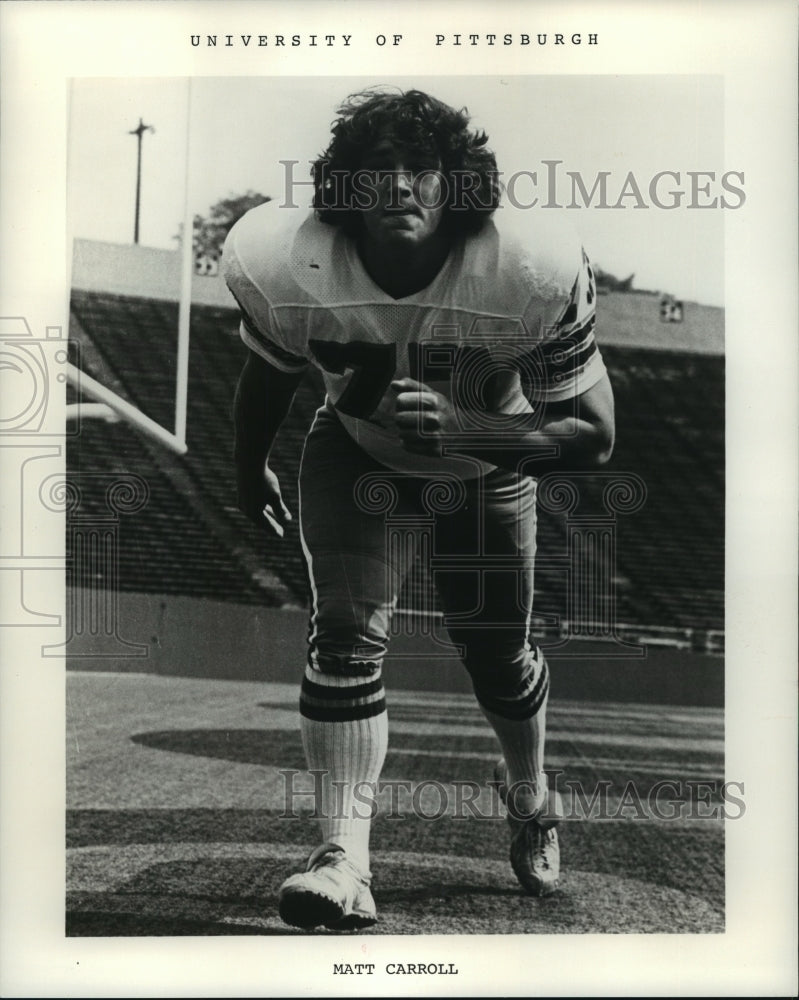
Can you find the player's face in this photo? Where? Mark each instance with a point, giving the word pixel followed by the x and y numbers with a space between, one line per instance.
pixel 406 196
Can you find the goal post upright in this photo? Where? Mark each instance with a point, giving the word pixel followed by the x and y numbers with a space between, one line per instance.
pixel 186 272
pixel 109 404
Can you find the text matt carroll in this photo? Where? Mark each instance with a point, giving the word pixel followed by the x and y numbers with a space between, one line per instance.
pixel 396 969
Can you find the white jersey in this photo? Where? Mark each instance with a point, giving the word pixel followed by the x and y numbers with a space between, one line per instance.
pixel 514 298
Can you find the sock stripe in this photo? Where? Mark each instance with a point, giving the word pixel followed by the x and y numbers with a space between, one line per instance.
pixel 341 713
pixel 310 689
pixel 524 706
pixel 342 704
pixel 344 727
pixel 541 686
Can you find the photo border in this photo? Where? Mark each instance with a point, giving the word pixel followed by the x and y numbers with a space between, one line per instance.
pixel 46 44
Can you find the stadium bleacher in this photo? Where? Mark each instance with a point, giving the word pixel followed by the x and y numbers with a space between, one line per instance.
pixel 189 538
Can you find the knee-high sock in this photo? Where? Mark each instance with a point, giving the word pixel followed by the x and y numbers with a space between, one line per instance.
pixel 344 729
pixel 518 718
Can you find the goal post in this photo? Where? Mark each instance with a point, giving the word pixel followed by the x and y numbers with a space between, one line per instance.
pixel 107 403
pixel 186 272
pixel 111 403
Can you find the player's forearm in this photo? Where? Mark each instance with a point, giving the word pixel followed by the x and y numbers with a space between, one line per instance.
pixel 263 398
pixel 576 433
pixel 565 443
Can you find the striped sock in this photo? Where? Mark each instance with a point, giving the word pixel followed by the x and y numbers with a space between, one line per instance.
pixel 519 721
pixel 344 728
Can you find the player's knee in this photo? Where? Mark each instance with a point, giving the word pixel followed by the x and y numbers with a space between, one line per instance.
pixel 495 662
pixel 346 639
pixel 505 673
pixel 346 658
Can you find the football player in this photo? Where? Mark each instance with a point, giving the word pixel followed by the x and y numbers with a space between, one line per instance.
pixel 456 341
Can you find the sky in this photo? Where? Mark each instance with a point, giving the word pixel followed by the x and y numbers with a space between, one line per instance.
pixel 238 129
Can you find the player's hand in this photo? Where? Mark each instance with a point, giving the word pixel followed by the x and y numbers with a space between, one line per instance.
pixel 424 418
pixel 260 499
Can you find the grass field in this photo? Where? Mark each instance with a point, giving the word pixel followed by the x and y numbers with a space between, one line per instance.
pixel 177 811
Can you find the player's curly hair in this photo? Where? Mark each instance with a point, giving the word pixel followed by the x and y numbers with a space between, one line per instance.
pixel 417 121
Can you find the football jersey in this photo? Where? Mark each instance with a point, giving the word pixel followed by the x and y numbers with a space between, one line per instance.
pixel 506 323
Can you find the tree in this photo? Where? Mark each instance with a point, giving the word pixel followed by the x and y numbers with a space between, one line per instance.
pixel 607 282
pixel 210 231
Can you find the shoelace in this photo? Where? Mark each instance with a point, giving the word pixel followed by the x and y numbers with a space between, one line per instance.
pixel 337 857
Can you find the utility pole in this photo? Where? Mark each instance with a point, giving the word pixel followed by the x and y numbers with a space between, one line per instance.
pixel 139 132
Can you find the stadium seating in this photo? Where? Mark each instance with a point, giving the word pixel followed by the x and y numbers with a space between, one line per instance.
pixel 190 539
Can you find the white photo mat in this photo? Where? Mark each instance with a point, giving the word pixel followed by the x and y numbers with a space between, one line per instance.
pixel 751 48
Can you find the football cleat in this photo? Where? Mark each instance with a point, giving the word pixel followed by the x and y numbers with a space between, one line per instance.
pixel 534 847
pixel 535 856
pixel 332 892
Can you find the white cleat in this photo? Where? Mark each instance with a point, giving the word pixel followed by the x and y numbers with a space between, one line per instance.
pixel 332 892
pixel 534 848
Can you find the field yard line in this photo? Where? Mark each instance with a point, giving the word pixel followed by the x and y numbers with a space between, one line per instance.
pixel 609 739
pixel 557 760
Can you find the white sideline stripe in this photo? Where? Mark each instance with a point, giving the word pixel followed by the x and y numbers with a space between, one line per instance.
pixel 556 760
pixel 617 710
pixel 636 740
pixel 557 713
pixel 86 384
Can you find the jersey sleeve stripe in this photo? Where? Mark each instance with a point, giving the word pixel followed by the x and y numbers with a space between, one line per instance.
pixel 578 381
pixel 563 355
pixel 569 365
pixel 568 343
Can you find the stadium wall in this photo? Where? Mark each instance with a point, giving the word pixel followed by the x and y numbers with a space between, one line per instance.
pixel 146 272
pixel 269 644
pixel 626 319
